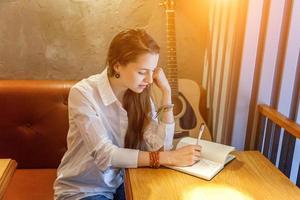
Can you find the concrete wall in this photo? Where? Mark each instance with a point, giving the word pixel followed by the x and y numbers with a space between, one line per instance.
pixel 68 39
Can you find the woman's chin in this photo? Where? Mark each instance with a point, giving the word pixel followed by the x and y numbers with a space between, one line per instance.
pixel 138 90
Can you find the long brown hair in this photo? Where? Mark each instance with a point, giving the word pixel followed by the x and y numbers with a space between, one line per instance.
pixel 125 48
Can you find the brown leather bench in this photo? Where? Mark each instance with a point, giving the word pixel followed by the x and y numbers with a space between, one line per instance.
pixel 33 130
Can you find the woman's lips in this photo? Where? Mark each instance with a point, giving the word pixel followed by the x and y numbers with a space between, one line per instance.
pixel 142 86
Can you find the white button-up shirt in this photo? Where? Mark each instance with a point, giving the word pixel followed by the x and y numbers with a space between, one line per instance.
pixel 96 155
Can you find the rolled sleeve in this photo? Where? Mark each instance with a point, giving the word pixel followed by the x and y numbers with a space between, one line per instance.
pixel 125 158
pixel 169 131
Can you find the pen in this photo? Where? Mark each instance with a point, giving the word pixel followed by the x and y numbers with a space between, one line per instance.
pixel 202 127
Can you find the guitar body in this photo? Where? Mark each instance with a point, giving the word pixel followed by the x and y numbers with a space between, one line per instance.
pixel 189 119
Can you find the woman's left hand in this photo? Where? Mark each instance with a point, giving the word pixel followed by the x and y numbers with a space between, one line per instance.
pixel 161 80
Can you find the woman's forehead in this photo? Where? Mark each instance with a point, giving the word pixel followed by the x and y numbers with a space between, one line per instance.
pixel 147 61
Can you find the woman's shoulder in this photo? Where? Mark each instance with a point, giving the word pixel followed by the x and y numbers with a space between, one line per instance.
pixel 87 85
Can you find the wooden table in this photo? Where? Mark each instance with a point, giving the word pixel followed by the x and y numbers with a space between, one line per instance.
pixel 7 168
pixel 249 177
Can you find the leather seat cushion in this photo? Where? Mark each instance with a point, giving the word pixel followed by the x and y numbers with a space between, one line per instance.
pixel 31 184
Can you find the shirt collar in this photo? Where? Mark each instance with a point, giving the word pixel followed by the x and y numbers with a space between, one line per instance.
pixel 107 95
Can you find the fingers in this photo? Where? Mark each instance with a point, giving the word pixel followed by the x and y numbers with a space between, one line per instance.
pixel 197 147
pixel 157 69
pixel 197 152
pixel 197 155
pixel 158 72
pixel 196 158
pixel 192 148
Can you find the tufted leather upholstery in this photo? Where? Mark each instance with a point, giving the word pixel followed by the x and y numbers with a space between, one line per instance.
pixel 33 130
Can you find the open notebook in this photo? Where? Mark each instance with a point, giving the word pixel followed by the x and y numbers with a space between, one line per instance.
pixel 214 157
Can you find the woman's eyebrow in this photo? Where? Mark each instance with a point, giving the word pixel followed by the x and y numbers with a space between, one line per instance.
pixel 146 69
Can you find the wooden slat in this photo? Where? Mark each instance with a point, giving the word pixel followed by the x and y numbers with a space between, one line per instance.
pixel 268 138
pixel 289 125
pixel 287 152
pixel 290 155
pixel 260 132
pixel 283 153
pixel 281 53
pixel 275 144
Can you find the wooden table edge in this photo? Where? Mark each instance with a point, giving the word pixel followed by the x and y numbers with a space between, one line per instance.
pixel 9 171
pixel 127 184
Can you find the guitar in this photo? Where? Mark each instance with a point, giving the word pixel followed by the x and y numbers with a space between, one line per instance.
pixel 185 92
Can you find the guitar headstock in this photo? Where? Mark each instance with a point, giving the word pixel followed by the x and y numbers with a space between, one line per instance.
pixel 168 4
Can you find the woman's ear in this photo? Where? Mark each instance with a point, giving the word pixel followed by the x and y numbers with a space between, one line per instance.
pixel 116 67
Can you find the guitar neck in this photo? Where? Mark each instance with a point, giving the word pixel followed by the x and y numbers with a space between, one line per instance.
pixel 171 68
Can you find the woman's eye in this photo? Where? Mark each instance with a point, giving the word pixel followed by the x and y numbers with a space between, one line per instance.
pixel 142 73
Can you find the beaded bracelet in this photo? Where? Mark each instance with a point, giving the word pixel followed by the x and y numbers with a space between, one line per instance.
pixel 154 159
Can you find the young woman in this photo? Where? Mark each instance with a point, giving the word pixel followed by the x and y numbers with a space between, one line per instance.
pixel 113 123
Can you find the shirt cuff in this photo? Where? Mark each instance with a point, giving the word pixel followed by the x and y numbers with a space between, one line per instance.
pixel 125 158
pixel 169 131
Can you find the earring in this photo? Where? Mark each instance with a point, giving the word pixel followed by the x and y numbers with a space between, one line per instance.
pixel 117 75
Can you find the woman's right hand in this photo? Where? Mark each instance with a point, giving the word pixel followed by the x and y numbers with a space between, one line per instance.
pixel 185 156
